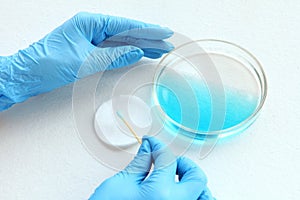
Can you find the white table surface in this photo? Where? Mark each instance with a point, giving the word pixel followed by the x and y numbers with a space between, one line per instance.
pixel 41 156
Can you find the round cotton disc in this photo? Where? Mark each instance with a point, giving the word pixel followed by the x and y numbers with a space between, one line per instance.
pixel 111 129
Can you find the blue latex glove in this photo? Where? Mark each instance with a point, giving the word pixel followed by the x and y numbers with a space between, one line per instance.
pixel 86 44
pixel 133 183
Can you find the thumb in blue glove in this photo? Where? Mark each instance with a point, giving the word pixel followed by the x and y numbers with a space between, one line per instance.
pixel 137 182
pixel 85 44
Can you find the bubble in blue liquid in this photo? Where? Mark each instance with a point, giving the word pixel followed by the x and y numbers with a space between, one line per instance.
pixel 190 104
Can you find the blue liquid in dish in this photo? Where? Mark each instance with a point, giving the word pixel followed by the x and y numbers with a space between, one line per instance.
pixel 189 103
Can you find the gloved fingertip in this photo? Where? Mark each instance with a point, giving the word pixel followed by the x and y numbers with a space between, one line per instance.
pixel 157 32
pixel 133 54
pixel 206 195
pixel 155 144
pixel 136 54
pixel 170 46
pixel 165 32
pixel 168 32
pixel 152 55
pixel 145 137
pixel 144 148
pixel 125 55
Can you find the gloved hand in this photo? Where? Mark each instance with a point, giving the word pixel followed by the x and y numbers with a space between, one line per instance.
pixel 84 45
pixel 133 183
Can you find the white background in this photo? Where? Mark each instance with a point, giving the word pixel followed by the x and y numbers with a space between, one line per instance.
pixel 41 156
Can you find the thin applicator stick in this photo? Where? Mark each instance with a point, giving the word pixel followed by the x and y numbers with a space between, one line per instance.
pixel 129 127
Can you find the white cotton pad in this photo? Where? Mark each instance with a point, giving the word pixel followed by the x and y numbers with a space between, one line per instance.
pixel 111 129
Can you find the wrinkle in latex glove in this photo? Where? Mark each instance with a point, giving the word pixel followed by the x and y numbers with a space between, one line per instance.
pixel 137 182
pixel 78 48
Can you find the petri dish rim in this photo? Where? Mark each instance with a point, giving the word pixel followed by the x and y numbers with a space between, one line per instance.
pixel 259 73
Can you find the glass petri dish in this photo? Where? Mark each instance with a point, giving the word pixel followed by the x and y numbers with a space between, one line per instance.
pixel 208 88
